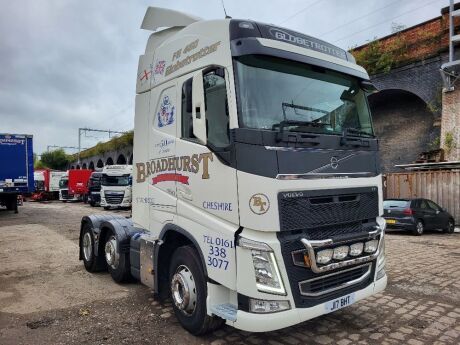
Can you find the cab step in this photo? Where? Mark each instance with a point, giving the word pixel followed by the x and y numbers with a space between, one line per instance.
pixel 226 311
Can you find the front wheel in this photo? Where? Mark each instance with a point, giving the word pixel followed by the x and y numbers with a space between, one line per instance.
pixel 450 227
pixel 189 292
pixel 419 228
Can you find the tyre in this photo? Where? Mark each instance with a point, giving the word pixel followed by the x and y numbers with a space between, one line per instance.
pixel 106 207
pixel 188 292
pixel 450 227
pixel 117 263
pixel 419 228
pixel 92 263
pixel 92 203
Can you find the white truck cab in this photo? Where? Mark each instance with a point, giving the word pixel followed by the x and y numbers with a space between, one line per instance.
pixel 257 192
pixel 64 194
pixel 116 185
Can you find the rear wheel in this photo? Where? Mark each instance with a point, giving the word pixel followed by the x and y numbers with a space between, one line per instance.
pixel 92 263
pixel 92 203
pixel 118 263
pixel 450 227
pixel 106 207
pixel 189 292
pixel 419 228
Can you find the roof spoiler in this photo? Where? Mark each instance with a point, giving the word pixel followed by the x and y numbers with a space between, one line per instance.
pixel 157 17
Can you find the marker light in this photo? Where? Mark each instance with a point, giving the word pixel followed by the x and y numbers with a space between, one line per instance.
pixel 356 249
pixel 341 252
pixel 371 246
pixel 324 256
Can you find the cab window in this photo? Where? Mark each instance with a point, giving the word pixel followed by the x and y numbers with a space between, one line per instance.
pixel 216 107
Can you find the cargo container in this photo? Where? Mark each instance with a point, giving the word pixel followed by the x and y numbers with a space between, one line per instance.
pixel 16 168
pixel 74 185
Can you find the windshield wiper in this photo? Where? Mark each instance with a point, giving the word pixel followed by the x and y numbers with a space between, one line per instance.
pixel 352 136
pixel 288 123
pixel 350 131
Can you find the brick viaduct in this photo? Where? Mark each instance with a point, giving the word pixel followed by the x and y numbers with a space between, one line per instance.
pixel 123 155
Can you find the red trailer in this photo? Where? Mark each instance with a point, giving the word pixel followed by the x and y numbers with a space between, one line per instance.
pixel 74 186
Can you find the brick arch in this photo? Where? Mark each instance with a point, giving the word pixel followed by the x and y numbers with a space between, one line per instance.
pixel 100 163
pixel 91 165
pixel 78 166
pixel 404 125
pixel 121 159
pixel 109 161
pixel 84 166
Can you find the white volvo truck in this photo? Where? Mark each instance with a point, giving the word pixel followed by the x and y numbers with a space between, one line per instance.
pixel 116 185
pixel 257 193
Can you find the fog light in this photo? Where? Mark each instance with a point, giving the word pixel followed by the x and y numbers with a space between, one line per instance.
pixel 371 246
pixel 356 249
pixel 262 306
pixel 341 252
pixel 324 256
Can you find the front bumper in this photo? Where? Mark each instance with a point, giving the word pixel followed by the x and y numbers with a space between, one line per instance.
pixel 270 322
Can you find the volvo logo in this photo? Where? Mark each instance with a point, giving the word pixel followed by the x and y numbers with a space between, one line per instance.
pixel 292 195
pixel 334 162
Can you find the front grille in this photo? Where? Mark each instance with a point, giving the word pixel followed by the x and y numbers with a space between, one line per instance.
pixel 333 281
pixel 65 194
pixel 323 208
pixel 114 198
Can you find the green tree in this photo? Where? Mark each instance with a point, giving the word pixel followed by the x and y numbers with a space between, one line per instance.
pixel 56 159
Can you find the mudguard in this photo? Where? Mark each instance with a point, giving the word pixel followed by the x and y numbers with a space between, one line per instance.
pixel 96 221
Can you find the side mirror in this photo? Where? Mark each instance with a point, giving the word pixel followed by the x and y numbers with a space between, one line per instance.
pixel 198 108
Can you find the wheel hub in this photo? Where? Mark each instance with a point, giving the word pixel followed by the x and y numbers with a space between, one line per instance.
pixel 111 254
pixel 87 246
pixel 183 290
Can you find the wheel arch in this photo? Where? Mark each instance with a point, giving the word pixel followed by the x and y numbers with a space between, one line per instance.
pixel 172 237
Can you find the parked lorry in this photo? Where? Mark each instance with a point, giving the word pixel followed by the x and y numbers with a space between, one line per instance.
pixel 116 185
pixel 47 184
pixel 16 168
pixel 94 188
pixel 73 186
pixel 257 193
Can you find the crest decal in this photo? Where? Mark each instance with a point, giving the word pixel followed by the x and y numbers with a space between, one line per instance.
pixel 166 113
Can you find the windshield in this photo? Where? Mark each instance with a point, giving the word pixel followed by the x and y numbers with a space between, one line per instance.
pixel 395 203
pixel 63 183
pixel 272 90
pixel 115 180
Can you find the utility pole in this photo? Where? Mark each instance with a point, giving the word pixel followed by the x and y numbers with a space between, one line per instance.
pixel 84 130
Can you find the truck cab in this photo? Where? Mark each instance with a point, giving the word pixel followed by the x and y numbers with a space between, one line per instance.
pixel 116 185
pixel 257 195
pixel 73 186
pixel 64 195
pixel 94 189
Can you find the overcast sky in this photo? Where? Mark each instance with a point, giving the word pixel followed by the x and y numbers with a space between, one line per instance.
pixel 66 64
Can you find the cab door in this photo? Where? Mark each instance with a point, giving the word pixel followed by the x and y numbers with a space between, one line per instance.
pixel 162 152
pixel 207 203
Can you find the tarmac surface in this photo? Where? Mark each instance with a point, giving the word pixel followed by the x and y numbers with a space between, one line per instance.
pixel 47 297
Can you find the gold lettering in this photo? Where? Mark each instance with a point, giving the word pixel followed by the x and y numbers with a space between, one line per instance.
pixel 140 167
pixel 195 163
pixel 206 157
pixel 171 166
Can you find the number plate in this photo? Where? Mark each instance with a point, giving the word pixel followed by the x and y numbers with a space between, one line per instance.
pixel 339 303
pixel 390 221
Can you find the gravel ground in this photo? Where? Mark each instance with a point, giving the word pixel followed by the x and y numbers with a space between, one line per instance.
pixel 46 296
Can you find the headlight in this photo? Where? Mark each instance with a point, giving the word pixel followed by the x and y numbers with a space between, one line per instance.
pixel 262 306
pixel 268 278
pixel 324 256
pixel 341 252
pixel 356 249
pixel 371 246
